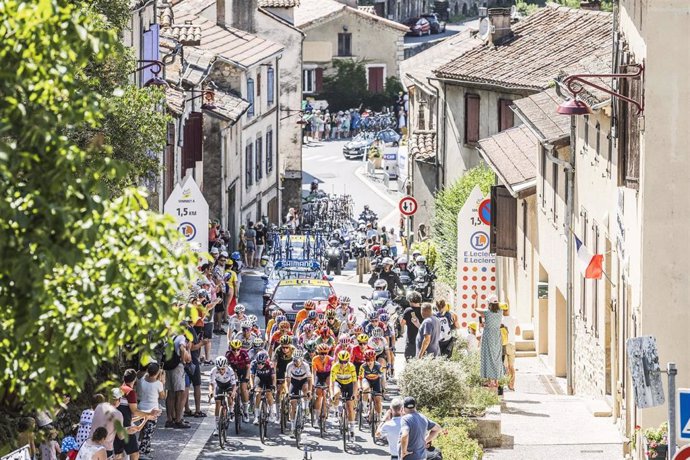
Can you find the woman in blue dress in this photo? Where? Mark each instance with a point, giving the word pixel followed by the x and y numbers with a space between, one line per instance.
pixel 491 366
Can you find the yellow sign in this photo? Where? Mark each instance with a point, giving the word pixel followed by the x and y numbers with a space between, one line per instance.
pixel 303 281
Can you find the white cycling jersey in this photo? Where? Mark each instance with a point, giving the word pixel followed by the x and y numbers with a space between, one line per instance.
pixel 228 377
pixel 378 344
pixel 298 372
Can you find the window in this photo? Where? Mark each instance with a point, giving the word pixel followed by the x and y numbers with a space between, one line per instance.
pixel 421 115
pixel 586 133
pixel 595 284
pixel 259 155
pixel 249 164
pixel 192 146
pixel 542 172
pixel 318 79
pixel 503 235
pixel 609 137
pixel 345 44
pixel 505 115
pixel 258 84
pixel 471 118
pixel 269 152
pixel 312 80
pixel 270 90
pixel 250 97
pixel 554 178
pixel 583 288
pixel 376 76
pixel 597 141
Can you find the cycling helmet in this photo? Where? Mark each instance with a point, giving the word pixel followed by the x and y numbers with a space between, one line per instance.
pixel 275 313
pixel 239 308
pixel 358 329
pixel 320 316
pixel 252 319
pixel 344 300
pixel 312 315
pixel 377 332
pixel 351 319
pixel 324 331
pixel 344 355
pixel 262 356
pixel 369 355
pixel 297 356
pixel 308 328
pixel 323 348
pixel 380 284
pixel 235 256
pixel 285 340
pixel 310 345
pixel 362 338
pixel 416 253
pixel 372 316
pixel 402 260
pixel 284 326
pixel 384 251
pixel 246 324
pixel 264 261
pixel 309 305
pixel 258 342
pixel 387 261
pixel 280 319
pixel 330 314
pixel 344 339
pixel 381 311
pixel 235 344
pixel 384 318
pixel 332 298
pixel 421 259
pixel 221 362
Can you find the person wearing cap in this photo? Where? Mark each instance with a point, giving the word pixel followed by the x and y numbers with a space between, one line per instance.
pixel 416 432
pixel 512 329
pixel 473 338
pixel 107 416
pixel 215 252
pixel 491 364
pixel 390 427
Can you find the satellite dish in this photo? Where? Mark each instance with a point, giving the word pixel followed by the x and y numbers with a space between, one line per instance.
pixel 484 29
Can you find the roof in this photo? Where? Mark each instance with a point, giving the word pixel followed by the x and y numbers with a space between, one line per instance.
pixel 186 34
pixel 367 9
pixel 422 145
pixel 538 111
pixel 512 154
pixel 311 12
pixel 228 106
pixel 598 62
pixel 174 99
pixel 237 46
pixel 278 3
pixel 419 67
pixel 545 42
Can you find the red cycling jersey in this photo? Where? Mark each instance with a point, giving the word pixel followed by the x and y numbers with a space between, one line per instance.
pixel 239 361
pixel 357 353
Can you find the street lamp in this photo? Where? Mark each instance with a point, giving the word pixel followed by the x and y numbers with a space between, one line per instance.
pixel 209 96
pixel 576 83
pixel 156 80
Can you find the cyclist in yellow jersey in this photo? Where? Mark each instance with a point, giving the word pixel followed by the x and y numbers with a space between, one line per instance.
pixel 344 376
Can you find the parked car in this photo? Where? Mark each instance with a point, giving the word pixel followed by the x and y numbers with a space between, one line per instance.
pixel 358 147
pixel 418 26
pixel 438 26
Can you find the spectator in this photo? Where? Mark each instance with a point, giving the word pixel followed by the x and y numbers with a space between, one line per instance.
pixel 151 388
pixel 193 372
pixel 26 435
pixel 416 432
pixel 69 447
pixel 242 245
pixel 513 329
pixel 429 333
pixel 292 221
pixel 107 416
pixel 250 243
pixel 491 366
pixel 393 240
pixel 411 320
pixel 473 337
pixel 449 324
pixel 175 383
pixel 130 414
pixel 213 234
pixel 94 448
pixel 49 448
pixel 84 429
pixel 422 234
pixel 390 427
pixel 260 243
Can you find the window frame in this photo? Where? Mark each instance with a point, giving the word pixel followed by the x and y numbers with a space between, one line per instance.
pixel 468 97
pixel 258 158
pixel 251 111
pixel 501 104
pixel 269 151
pixel 343 50
pixel 249 164
pixel 270 86
pixel 309 80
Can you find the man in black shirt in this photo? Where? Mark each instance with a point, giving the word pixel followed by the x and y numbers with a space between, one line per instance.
pixel 388 275
pixel 260 243
pixel 411 319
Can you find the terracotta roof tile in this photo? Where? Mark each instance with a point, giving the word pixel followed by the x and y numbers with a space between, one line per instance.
pixel 278 3
pixel 543 43
pixel 512 154
pixel 539 112
pixel 174 99
pixel 598 62
pixel 422 145
pixel 228 105
pixel 187 34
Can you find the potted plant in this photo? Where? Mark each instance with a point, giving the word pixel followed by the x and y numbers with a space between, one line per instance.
pixel 655 441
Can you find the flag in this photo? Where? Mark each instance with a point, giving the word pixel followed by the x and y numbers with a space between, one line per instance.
pixel 590 265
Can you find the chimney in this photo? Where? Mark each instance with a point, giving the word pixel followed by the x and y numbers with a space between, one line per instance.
pixel 499 19
pixel 236 13
pixel 591 5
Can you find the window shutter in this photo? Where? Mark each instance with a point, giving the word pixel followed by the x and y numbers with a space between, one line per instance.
pixel 250 97
pixel 632 163
pixel 471 118
pixel 258 154
pixel 505 115
pixel 269 152
pixel 269 86
pixel 150 52
pixel 318 79
pixel 193 144
pixel 169 160
pixel 503 239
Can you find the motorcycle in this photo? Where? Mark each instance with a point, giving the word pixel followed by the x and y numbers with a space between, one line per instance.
pixel 423 283
pixel 359 246
pixel 334 258
pixel 381 299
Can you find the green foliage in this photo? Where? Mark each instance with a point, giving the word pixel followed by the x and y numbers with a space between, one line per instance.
pixel 447 204
pixel 525 8
pixel 428 250
pixel 347 88
pixel 457 444
pixel 82 276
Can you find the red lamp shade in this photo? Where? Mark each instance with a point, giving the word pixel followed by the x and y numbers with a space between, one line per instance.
pixel 574 107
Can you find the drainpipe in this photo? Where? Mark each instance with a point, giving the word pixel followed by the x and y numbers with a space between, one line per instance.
pixel 439 142
pixel 276 144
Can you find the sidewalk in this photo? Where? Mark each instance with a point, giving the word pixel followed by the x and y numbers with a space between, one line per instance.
pixel 539 421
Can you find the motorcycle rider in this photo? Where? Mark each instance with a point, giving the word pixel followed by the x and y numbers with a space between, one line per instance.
pixel 403 272
pixel 421 274
pixel 388 275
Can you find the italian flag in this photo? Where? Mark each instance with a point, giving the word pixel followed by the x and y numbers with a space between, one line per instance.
pixel 590 264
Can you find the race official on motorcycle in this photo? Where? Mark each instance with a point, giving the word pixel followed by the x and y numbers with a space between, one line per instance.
pixel 388 275
pixel 420 269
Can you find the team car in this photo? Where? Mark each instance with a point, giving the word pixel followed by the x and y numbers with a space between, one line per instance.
pixel 290 295
pixel 290 269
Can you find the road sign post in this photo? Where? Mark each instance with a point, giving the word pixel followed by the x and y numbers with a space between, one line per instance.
pixel 672 371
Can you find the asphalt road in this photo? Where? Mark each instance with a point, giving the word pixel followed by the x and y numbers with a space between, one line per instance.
pixel 451 29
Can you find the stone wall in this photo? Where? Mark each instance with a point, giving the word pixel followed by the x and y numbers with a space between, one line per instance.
pixel 213 171
pixel 589 362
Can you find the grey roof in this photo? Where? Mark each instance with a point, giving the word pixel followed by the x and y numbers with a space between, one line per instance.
pixel 512 154
pixel 174 99
pixel 539 112
pixel 228 106
pixel 598 62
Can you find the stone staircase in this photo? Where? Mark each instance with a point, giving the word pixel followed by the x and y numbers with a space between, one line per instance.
pixel 525 347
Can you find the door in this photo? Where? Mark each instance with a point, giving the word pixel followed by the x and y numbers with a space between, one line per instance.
pixel 376 80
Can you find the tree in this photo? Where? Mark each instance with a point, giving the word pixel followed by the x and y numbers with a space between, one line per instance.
pixel 447 205
pixel 347 88
pixel 82 275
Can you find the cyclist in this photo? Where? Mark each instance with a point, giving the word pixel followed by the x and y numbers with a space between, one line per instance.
pixel 348 324
pixel 371 378
pixel 344 382
pixel 235 321
pixel 222 383
pixel 309 305
pixel 281 358
pixel 256 330
pixel 379 344
pixel 307 334
pixel 311 319
pixel 326 337
pixel 299 375
pixel 332 322
pixel 370 322
pixel 245 335
pixel 238 358
pixel 344 343
pixel 321 365
pixel 343 309
pixel 274 327
pixel 284 330
pixel 389 335
pixel 357 351
pixel 262 379
pixel 309 350
pixel 257 346
pixel 332 302
pixel 269 325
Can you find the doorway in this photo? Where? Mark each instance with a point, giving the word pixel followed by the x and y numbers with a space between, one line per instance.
pixel 543 318
pixel 258 209
pixel 560 357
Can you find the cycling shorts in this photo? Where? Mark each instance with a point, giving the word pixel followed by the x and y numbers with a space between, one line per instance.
pixel 374 385
pixel 296 386
pixel 264 384
pixel 322 378
pixel 222 388
pixel 347 390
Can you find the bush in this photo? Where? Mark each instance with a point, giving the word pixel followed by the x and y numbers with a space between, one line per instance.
pixel 428 250
pixel 457 444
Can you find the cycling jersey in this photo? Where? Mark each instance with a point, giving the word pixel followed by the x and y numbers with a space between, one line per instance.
pixel 275 338
pixel 357 353
pixel 334 326
pixel 378 344
pixel 370 373
pixel 304 339
pixel 228 377
pixel 239 361
pixel 339 348
pixel 269 329
pixel 282 359
pixel 245 339
pixel 301 316
pixel 263 372
pixel 322 364
pixel 343 374
pixel 330 341
pixel 296 372
pixel 235 322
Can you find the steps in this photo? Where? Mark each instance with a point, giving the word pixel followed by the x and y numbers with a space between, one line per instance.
pixel 525 347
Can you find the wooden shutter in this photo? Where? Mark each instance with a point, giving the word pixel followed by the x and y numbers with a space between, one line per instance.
pixel 318 80
pixel 505 115
pixel 193 144
pixel 503 239
pixel 629 133
pixel 376 80
pixel 169 161
pixel 471 118
pixel 150 52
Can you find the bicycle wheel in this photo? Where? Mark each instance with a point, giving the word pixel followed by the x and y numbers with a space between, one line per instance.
pixel 298 422
pixel 221 426
pixel 312 416
pixel 262 419
pixel 284 414
pixel 343 426
pixel 360 411
pixel 373 421
pixel 238 412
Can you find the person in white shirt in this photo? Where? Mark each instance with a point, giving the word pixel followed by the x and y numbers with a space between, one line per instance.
pixel 299 376
pixel 390 427
pixel 222 383
pixel 511 324
pixel 150 390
